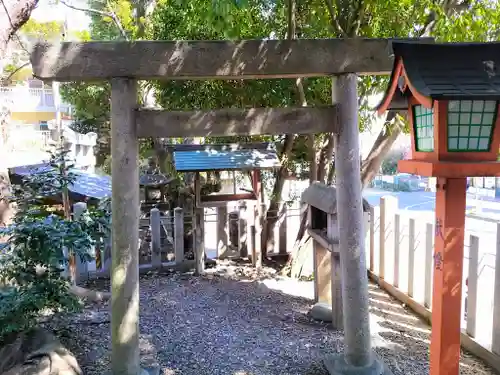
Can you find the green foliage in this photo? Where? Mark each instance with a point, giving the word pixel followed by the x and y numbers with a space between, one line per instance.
pixel 390 164
pixel 32 262
pixel 105 28
pixel 249 19
pixel 173 20
pixel 43 30
pixel 478 23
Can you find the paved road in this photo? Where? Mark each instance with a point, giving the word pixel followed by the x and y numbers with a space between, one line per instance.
pixel 422 204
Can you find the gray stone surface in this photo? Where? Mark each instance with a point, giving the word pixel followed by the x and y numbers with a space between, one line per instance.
pixel 125 212
pixel 336 365
pixel 252 59
pixel 235 122
pixel 357 339
pixel 322 311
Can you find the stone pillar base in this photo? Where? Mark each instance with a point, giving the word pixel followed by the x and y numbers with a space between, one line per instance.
pixel 321 311
pixel 336 365
pixel 143 371
pixel 150 371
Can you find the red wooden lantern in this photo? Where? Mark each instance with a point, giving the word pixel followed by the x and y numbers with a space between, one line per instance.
pixel 451 94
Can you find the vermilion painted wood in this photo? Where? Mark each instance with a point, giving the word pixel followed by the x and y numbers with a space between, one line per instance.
pixel 451 170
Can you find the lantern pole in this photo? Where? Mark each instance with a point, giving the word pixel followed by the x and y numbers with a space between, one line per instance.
pixel 448 265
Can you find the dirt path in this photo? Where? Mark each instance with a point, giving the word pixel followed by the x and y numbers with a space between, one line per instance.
pixel 234 321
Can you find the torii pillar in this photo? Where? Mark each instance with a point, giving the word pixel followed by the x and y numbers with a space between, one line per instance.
pixel 358 357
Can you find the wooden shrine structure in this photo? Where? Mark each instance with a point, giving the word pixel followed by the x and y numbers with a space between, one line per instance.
pixel 124 63
pixel 247 159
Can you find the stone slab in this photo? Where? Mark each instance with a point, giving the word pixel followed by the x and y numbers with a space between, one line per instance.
pixel 336 365
pixel 242 59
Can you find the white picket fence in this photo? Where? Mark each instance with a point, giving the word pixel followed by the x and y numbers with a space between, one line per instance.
pixel 400 258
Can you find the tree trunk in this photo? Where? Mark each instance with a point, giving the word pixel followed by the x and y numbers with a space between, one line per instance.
pixel 272 214
pixel 313 166
pixel 161 153
pixel 386 138
pixel 14 15
pixel 274 205
pixel 325 158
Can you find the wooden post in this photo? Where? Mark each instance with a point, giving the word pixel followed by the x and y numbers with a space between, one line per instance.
pixel 388 209
pixel 323 275
pixel 448 266
pixel 374 217
pixel 357 341
pixel 168 225
pixel 222 232
pixel 429 235
pixel 495 341
pixel 282 231
pixel 412 246
pixel 200 241
pixel 125 211
pixel 259 223
pixel 335 273
pixel 242 237
pixel 98 254
pixel 397 241
pixel 472 289
pixel 155 224
pixel 178 235
pixel 251 232
pixel 80 271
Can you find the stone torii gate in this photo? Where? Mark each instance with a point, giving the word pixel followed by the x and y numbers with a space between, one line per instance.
pixel 123 63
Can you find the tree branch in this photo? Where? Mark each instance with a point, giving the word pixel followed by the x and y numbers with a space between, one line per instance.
pixel 14 15
pixel 7 79
pixel 111 15
pixel 358 14
pixel 386 138
pixel 448 7
pixel 334 19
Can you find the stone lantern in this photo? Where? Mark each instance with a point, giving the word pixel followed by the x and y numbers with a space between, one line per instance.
pixel 153 183
pixel 450 93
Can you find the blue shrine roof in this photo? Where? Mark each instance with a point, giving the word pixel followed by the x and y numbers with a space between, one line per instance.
pixel 199 158
pixel 87 184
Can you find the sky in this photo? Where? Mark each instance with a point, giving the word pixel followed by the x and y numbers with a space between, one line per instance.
pixel 49 10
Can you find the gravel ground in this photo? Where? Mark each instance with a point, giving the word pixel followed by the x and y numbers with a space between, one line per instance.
pixel 235 321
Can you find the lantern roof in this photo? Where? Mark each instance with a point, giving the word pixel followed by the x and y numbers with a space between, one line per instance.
pixel 442 71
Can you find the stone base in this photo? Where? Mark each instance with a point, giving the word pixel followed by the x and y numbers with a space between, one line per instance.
pixel 144 371
pixel 150 371
pixel 336 365
pixel 322 311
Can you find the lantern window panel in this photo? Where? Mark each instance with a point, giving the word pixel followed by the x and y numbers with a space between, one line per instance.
pixel 470 125
pixel 423 122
